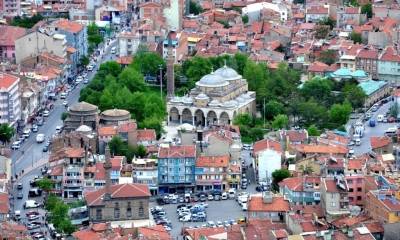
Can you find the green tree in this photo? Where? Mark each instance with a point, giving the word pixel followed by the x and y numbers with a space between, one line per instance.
pixel 93 34
pixel 245 19
pixel 328 56
pixel 317 88
pixel 64 116
pixel 354 94
pixel 117 146
pixel 240 62
pixel 255 75
pixel 328 22
pixel 132 79
pixel 394 110
pixel 313 131
pixel 243 119
pixel 354 3
pixel 195 8
pixel 45 184
pixel 280 121
pixel 277 176
pixel 6 133
pixel 196 68
pixel 339 113
pixel 311 112
pixel 367 9
pixel 356 37
pixel 273 108
pixel 84 61
pixel 321 31
pixel 26 22
pixel 141 151
pixel 148 63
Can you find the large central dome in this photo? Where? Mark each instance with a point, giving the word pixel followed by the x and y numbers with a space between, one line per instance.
pixel 228 73
pixel 212 80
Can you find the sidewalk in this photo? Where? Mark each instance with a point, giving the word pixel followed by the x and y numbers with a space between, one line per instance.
pixel 29 169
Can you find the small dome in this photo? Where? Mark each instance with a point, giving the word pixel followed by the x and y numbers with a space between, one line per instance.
pixel 187 100
pixel 212 80
pixel 115 112
pixel 202 96
pixel 84 129
pixel 228 73
pixel 176 100
pixel 214 103
pixel 83 107
pixel 240 99
pixel 230 104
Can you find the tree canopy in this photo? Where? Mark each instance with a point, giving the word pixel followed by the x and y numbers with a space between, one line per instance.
pixel 122 148
pixel 356 37
pixel 26 22
pixel 58 213
pixel 195 8
pixel 367 9
pixel 6 132
pixel 328 56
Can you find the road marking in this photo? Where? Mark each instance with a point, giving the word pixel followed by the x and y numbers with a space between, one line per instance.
pixel 26 150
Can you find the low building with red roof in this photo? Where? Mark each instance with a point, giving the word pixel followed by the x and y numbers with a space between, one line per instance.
pixel 267 205
pixel 334 197
pixel 7 41
pixel 156 232
pixel 4 206
pixel 301 190
pixel 381 145
pixel 12 230
pixel 146 137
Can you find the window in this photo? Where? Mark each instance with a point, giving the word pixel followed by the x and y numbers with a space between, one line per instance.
pixel 141 209
pixel 351 190
pixel 129 210
pixel 116 211
pixel 359 198
pixel 99 214
pixel 349 181
pixel 359 189
pixel 333 204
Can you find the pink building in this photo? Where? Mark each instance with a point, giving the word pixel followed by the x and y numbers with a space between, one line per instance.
pixel 11 7
pixel 7 41
pixel 356 188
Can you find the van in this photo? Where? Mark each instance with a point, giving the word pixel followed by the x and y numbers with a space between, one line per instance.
pixel 357 141
pixel 31 204
pixel 90 68
pixel 244 206
pixel 372 123
pixel 17 215
pixel 391 131
pixel 40 138
pixel 379 118
pixel 35 192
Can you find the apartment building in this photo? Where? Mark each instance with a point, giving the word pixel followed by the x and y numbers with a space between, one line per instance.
pixel 128 43
pixel 145 171
pixel 334 197
pixel 10 101
pixel 211 172
pixel 383 205
pixel 73 174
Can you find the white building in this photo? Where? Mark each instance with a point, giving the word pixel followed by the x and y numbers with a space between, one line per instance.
pixel 267 158
pixel 253 11
pixel 10 101
pixel 145 171
pixel 128 43
pixel 217 98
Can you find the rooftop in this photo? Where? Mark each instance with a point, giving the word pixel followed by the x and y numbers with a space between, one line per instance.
pixel 7 80
pixel 183 151
pixel 279 204
pixel 212 161
pixel 371 86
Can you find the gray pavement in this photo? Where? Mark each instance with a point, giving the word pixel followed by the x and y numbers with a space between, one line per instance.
pixel 378 130
pixel 216 211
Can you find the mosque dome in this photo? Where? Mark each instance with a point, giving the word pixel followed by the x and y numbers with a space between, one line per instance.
pixel 212 80
pixel 228 73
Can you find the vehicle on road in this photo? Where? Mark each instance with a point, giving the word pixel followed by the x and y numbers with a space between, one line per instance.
pixel 59 129
pixel 20 195
pixel 46 113
pixel 31 204
pixel 63 95
pixel 232 193
pixel 391 131
pixel 357 141
pixel 19 186
pixel 40 138
pixel 35 128
pixel 89 67
pixel 224 196
pixel 31 226
pixel 86 81
pixel 185 218
pixel 16 145
pixel 113 50
pixel 33 217
pixel 17 215
pixel 372 123
pixel 45 149
pixel 26 133
pixel 210 197
pixel 244 206
pixel 79 79
pixel 379 118
pixel 203 198
pixel 35 192
pixel 65 103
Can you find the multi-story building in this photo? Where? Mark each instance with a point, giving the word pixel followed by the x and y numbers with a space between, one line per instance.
pixel 7 41
pixel 301 190
pixel 73 177
pixel 367 60
pixel 128 43
pixel 176 168
pixel 76 37
pixel 120 202
pixel 383 205
pixel 11 8
pixel 211 172
pixel 389 66
pixel 267 158
pixel 356 192
pixel 36 42
pixel 179 45
pixel 316 13
pixel 10 101
pixel 334 197
pixel 145 171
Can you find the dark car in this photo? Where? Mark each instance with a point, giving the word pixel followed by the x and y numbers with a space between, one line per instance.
pixel 195 199
pixel 19 186
pixel 180 206
pixel 45 149
pixel 20 195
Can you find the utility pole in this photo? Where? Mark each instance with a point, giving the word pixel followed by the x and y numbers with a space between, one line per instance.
pixel 161 78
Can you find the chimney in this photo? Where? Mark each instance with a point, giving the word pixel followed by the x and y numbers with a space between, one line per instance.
pixel 107 168
pixel 170 69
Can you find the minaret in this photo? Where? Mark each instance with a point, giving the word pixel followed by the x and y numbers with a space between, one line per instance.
pixel 170 70
pixel 107 168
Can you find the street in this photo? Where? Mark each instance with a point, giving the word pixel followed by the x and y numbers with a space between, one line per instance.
pixel 378 130
pixel 27 161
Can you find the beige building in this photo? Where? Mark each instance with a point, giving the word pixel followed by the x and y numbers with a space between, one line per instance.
pixel 334 198
pixel 217 98
pixel 34 43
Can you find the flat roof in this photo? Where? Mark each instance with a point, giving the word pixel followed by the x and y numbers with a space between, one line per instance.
pixel 371 86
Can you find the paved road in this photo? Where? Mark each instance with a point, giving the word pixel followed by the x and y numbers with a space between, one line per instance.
pixel 378 130
pixel 30 156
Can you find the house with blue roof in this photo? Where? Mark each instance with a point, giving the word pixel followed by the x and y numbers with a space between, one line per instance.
pixel 375 91
pixel 346 73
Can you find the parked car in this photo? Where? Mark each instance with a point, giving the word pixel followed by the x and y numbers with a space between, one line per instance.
pixel 203 198
pixel 35 128
pixel 45 148
pixel 19 186
pixel 217 197
pixel 46 113
pixel 20 195
pixel 16 145
pixel 224 196
pixel 210 197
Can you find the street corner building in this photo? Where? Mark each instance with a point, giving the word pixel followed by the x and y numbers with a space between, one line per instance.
pixel 217 98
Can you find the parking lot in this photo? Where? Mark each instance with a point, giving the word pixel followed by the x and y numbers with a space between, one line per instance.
pixel 223 210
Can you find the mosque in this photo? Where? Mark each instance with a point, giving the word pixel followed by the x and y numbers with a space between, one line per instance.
pixel 217 98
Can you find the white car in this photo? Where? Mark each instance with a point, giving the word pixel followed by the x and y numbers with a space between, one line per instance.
pixel 65 103
pixel 186 218
pixel 46 113
pixel 79 79
pixel 40 138
pixel 224 196
pixel 16 145
pixel 59 129
pixel 90 68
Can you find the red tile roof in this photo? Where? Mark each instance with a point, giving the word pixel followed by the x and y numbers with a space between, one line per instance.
pixel 7 80
pixel 317 10
pixel 390 55
pixel 146 135
pixel 127 126
pixel 69 26
pixel 346 222
pixel 4 203
pixel 107 131
pixel 374 227
pixel 116 162
pixel 183 151
pixel 378 142
pixel 127 190
pixel 74 152
pixel 331 186
pixel 86 234
pixel 355 164
pixel 125 60
pixel 56 171
pixel 156 232
pixel 267 144
pixel 352 10
pixel 212 161
pixel 368 54
pixel 318 67
pixel 322 149
pixel 9 34
pixel 278 204
pixel 100 172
